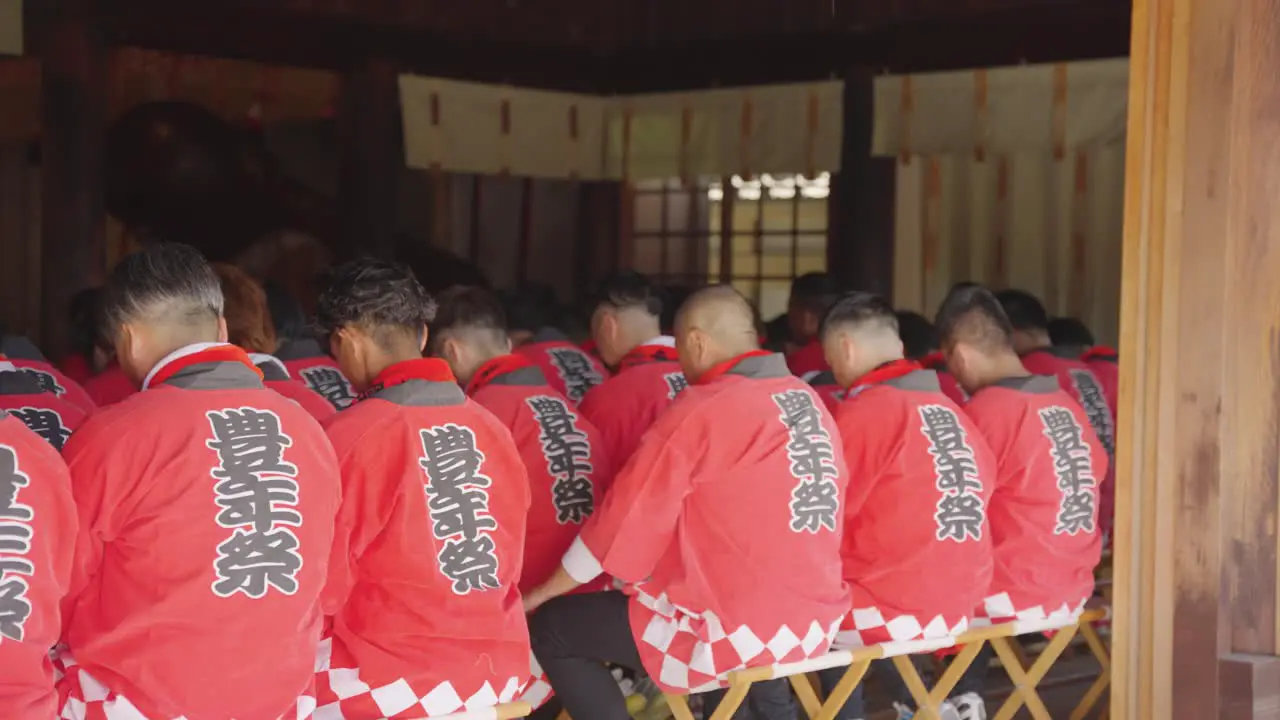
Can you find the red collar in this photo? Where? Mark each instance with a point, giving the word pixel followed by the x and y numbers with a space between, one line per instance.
pixel 221 353
pixel 889 371
pixel 721 369
pixel 934 361
pixel 644 354
pixel 429 369
pixel 1100 352
pixel 493 369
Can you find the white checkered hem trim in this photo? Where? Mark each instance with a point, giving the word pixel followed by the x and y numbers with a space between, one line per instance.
pixel 670 620
pixel 1028 620
pixel 115 706
pixel 581 563
pixel 539 689
pixel 870 627
pixel 398 695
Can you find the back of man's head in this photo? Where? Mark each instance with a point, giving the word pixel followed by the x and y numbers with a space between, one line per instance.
pixel 165 284
pixel 245 308
pixel 812 294
pixel 860 312
pixel 470 314
pixel 1024 310
pixel 919 336
pixel 713 325
pixel 974 317
pixel 629 290
pixel 381 298
pixel 859 333
pixel 1070 332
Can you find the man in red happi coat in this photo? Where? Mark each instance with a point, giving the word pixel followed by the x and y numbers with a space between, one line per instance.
pixel 569 369
pixel 422 590
pixel 301 354
pixel 569 470
pixel 43 412
pixel 811 296
pixel 1044 514
pixel 917 542
pixel 39 522
pixel 1073 336
pixel 1044 517
pixel 627 332
pixel 1031 340
pixel 30 361
pixel 206 506
pixel 727 568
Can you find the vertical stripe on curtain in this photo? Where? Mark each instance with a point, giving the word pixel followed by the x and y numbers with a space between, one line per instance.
pixel 1031 220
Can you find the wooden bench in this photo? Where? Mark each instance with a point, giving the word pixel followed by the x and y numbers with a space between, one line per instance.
pixel 1026 675
pixel 505 711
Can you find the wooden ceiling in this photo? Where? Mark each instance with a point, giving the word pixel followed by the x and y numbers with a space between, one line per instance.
pixel 611 46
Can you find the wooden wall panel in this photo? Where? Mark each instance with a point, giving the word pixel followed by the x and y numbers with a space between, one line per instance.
pixel 19 240
pixel 1199 462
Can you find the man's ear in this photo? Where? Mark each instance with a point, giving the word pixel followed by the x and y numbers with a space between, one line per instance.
pixel 222 329
pixel 422 346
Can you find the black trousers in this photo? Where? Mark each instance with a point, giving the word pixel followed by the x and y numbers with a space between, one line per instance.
pixel 574 636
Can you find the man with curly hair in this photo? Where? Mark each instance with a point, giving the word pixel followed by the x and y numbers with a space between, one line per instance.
pixel 427 617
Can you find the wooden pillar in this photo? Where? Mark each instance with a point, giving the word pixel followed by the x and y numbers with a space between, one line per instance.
pixel 1196 566
pixel 372 152
pixel 860 238
pixel 73 218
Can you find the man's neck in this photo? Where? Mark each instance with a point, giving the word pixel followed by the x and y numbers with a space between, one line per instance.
pixel 385 360
pixel 640 333
pixel 1003 367
pixel 878 360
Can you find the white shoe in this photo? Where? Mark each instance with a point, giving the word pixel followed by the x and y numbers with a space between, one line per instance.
pixel 904 712
pixel 968 706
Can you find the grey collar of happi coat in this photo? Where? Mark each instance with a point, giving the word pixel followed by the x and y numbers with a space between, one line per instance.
pixel 216 375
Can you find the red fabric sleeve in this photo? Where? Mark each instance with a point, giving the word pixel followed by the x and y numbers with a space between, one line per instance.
pixel 101 479
pixel 41 501
pixel 635 524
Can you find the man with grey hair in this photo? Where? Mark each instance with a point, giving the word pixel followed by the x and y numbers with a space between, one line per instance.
pixel 178 606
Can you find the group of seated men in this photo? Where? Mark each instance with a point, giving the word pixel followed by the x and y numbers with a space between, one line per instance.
pixel 486 523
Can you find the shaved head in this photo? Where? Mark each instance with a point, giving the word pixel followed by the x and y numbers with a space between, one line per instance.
pixel 977 338
pixel 714 325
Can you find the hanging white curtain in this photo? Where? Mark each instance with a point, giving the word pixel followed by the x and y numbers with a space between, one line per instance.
pixel 1012 177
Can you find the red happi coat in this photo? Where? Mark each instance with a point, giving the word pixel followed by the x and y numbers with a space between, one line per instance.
pixel 624 407
pixel 947 381
pixel 824 383
pixel 1079 381
pixel 195 593
pixel 110 386
pixel 44 413
pixel 306 362
pixel 53 381
pixel 568 369
pixel 1105 363
pixel 917 543
pixel 276 377
pixel 728 532
pixel 808 360
pixel 568 468
pixel 427 618
pixel 39 518
pixel 1045 508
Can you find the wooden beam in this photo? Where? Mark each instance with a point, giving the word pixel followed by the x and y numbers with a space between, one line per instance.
pixel 370 146
pixel 1198 464
pixel 73 110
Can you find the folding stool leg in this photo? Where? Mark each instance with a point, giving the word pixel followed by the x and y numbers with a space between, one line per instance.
pixel 803 686
pixel 843 689
pixel 1099 650
pixel 925 709
pixel 1026 679
pixel 679 707
pixel 733 699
